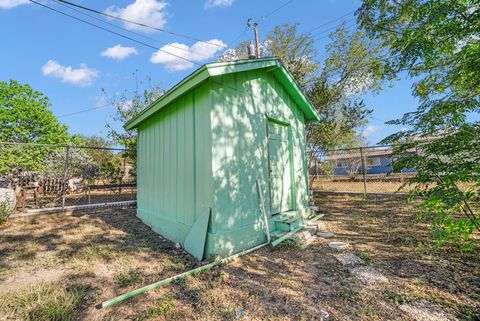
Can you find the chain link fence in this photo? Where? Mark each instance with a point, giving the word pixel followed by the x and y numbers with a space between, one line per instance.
pixel 55 177
pixel 360 170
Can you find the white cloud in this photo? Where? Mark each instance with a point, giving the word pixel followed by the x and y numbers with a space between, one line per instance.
pixel 199 51
pixel 371 130
pixel 148 12
pixel 218 3
pixel 125 105
pixel 82 76
pixel 101 101
pixel 119 52
pixel 7 4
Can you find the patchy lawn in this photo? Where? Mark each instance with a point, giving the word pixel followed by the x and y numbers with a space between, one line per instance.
pixel 59 267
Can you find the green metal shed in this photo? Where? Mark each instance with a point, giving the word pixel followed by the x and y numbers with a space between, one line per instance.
pixel 204 144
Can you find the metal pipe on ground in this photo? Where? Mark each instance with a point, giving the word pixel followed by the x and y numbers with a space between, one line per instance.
pixel 158 284
pixel 200 269
pixel 205 267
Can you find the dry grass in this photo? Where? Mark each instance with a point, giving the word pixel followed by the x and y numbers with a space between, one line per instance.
pixel 112 252
pixel 43 301
pixel 376 183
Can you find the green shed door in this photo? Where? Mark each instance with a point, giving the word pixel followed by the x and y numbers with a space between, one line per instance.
pixel 280 168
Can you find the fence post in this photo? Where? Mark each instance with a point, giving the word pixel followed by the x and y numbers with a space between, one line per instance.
pixel 65 175
pixel 364 171
pixel 89 195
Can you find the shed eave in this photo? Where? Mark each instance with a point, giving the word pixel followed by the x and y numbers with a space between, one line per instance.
pixel 294 89
pixel 218 69
pixel 176 91
pixel 223 68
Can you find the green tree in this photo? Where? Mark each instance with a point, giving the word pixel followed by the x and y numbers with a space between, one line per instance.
pixel 352 67
pixel 25 118
pixel 437 43
pixel 128 105
pixel 296 50
pixel 111 163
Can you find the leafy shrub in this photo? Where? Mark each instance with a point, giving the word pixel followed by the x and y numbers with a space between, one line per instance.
pixel 5 210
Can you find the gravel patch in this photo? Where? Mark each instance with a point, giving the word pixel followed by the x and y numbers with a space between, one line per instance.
pixel 349 259
pixel 425 311
pixel 369 276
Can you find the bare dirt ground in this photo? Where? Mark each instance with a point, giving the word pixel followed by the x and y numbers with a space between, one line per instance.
pixel 91 257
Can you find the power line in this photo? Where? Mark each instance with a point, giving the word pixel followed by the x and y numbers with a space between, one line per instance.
pixel 84 111
pixel 124 29
pixel 139 23
pixel 239 36
pixel 328 35
pixel 331 21
pixel 332 28
pixel 275 10
pixel 262 18
pixel 114 32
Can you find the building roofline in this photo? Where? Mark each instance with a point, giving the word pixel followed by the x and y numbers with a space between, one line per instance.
pixel 222 68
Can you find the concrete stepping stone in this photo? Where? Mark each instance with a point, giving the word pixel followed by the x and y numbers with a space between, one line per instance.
pixel 425 311
pixel 308 241
pixel 326 235
pixel 368 275
pixel 349 259
pixel 338 245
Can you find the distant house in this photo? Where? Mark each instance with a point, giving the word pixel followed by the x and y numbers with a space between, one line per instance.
pixel 378 160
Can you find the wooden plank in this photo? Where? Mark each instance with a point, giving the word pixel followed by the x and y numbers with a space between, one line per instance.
pixel 196 238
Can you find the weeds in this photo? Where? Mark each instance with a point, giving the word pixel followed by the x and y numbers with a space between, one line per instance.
pixel 293 244
pixel 164 306
pixel 127 278
pixel 97 252
pixel 5 210
pixel 396 297
pixel 26 253
pixel 176 264
pixel 44 301
pixel 349 293
pixel 365 256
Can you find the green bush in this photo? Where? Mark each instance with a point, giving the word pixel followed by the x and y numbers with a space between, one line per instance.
pixel 5 211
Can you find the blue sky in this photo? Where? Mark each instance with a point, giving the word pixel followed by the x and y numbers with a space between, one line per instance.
pixel 71 62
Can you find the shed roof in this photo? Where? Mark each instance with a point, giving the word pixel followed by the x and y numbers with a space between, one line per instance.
pixel 273 65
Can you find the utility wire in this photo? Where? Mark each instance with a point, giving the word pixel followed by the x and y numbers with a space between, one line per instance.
pixel 332 28
pixel 139 23
pixel 328 35
pixel 275 10
pixel 84 111
pixel 331 21
pixel 124 29
pixel 239 36
pixel 113 32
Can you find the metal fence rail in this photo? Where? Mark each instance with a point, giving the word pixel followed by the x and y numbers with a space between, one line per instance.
pixel 56 176
pixel 359 170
